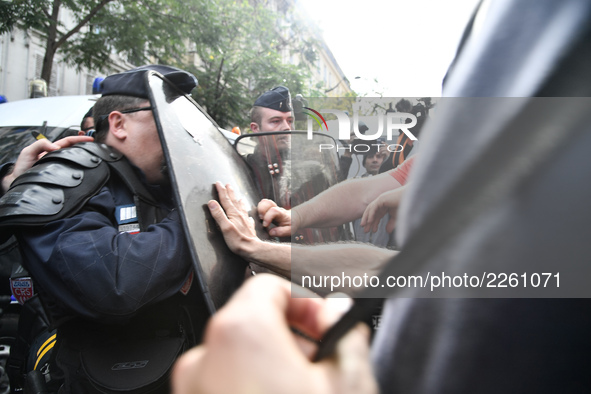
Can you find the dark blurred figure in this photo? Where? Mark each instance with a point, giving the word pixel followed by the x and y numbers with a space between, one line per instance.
pixel 87 124
pixel 420 111
pixel 346 158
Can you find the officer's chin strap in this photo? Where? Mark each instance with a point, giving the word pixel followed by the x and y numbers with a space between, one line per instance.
pixel 519 151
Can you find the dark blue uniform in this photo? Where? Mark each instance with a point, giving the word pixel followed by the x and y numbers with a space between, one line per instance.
pixel 121 298
pixel 87 267
pixel 106 284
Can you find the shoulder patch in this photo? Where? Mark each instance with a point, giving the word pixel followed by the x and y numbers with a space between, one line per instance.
pixel 126 214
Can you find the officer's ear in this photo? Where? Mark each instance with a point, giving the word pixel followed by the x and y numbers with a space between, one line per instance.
pixel 117 125
pixel 254 127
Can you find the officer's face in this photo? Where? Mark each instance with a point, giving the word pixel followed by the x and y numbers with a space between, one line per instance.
pixel 273 120
pixel 143 147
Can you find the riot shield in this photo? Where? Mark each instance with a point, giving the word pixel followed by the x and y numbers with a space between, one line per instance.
pixel 291 168
pixel 198 155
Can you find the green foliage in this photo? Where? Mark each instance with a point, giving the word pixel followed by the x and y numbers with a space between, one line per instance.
pixel 239 52
pixel 145 31
pixel 234 47
pixel 139 31
pixel 22 13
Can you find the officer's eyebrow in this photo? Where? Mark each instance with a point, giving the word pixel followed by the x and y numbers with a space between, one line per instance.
pixel 278 117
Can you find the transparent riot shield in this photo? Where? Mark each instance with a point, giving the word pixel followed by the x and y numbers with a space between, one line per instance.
pixel 291 168
pixel 198 155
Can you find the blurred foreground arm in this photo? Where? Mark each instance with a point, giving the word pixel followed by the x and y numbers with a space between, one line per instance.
pixel 249 347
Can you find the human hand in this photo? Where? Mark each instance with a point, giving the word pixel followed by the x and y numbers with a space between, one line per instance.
pixel 386 203
pixel 269 213
pixel 237 227
pixel 30 154
pixel 249 347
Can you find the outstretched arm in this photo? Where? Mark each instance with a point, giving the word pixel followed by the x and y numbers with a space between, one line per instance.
pixel 339 204
pixel 321 267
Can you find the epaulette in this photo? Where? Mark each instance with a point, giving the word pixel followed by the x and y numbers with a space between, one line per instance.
pixel 58 185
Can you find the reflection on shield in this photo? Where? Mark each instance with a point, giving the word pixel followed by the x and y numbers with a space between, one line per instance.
pixel 290 169
pixel 198 155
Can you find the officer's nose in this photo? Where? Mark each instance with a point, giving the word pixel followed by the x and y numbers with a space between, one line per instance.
pixel 286 126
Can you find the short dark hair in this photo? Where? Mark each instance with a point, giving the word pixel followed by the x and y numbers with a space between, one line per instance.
pixel 404 105
pixel 256 115
pixel 107 104
pixel 373 150
pixel 88 114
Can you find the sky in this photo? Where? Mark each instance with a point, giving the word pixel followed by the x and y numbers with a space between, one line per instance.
pixel 406 45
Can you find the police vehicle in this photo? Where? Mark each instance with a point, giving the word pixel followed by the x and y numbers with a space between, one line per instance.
pixel 21 122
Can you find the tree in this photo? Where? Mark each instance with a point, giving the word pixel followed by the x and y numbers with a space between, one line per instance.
pixel 138 30
pixel 236 45
pixel 239 57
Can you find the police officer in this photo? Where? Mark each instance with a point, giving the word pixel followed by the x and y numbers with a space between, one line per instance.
pixel 112 266
pixel 272 111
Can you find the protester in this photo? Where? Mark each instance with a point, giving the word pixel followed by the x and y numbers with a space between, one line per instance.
pixel 293 261
pixel 405 144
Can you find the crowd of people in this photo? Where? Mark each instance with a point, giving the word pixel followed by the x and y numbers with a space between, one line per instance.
pixel 440 344
pixel 115 276
pixel 104 283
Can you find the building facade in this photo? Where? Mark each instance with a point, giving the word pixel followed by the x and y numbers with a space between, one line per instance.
pixel 21 61
pixel 22 53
